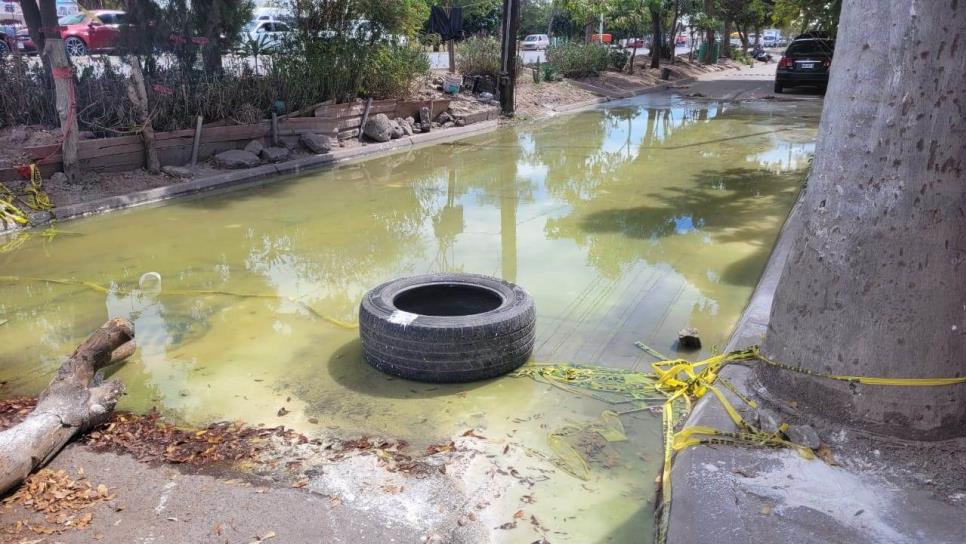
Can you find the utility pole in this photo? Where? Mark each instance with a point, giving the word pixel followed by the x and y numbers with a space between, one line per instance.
pixel 451 43
pixel 508 72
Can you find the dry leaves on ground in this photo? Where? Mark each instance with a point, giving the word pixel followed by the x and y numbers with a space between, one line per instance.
pixel 60 498
pixel 13 411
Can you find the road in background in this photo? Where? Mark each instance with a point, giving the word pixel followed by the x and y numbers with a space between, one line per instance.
pixel 440 60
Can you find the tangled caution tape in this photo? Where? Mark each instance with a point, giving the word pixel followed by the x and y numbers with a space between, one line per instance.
pixel 673 387
pixel 34 197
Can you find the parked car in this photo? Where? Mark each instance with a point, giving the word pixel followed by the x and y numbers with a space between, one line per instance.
pixel 535 42
pixel 805 62
pixel 681 39
pixel 269 34
pixel 632 43
pixel 83 33
pixel 8 39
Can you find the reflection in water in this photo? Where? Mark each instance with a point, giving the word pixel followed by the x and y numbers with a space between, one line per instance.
pixel 626 224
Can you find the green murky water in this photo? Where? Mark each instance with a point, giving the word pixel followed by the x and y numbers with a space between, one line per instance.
pixel 626 224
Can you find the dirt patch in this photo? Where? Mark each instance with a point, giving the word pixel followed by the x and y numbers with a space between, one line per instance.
pixel 13 139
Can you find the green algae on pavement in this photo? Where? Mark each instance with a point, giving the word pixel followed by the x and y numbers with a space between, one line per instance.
pixel 626 224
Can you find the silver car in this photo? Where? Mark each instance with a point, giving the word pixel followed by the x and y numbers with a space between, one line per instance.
pixel 535 42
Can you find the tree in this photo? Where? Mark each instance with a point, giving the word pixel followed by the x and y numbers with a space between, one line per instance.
pixel 822 15
pixel 706 21
pixel 65 94
pixel 874 283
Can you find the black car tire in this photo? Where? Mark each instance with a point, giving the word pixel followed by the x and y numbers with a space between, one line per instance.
pixel 461 327
pixel 778 88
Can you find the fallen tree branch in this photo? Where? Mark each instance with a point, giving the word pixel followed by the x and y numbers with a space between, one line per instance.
pixel 70 404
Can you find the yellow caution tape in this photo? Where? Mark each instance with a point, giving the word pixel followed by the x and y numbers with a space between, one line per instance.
pixel 681 380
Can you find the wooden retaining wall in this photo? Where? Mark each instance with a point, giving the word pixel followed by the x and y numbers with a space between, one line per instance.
pixel 124 153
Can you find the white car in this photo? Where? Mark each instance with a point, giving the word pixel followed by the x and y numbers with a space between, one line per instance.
pixel 535 42
pixel 269 34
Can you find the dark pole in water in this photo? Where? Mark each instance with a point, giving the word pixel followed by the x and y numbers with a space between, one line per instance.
pixel 508 74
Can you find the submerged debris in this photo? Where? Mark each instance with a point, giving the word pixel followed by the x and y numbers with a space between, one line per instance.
pixel 150 438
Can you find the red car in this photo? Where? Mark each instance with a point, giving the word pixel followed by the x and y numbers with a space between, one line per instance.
pixel 83 33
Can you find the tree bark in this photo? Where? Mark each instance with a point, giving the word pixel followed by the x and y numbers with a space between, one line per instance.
pixel 656 39
pixel 212 50
pixel 874 285
pixel 63 76
pixel 139 97
pixel 672 34
pixel 69 405
pixel 31 16
pixel 726 39
pixel 709 35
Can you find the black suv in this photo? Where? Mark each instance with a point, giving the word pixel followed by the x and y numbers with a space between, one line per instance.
pixel 805 62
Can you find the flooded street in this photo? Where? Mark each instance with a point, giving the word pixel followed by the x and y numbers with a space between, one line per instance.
pixel 626 224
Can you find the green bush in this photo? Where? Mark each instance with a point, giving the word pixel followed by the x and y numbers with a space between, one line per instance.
pixel 577 59
pixel 393 70
pixel 617 58
pixel 479 56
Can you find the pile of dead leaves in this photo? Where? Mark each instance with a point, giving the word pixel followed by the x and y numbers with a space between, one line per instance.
pixel 60 498
pixel 13 411
pixel 150 438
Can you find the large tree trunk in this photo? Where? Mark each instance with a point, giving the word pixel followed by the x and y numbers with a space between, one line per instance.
pixel 69 405
pixel 139 97
pixel 709 35
pixel 63 75
pixel 672 34
pixel 211 52
pixel 726 40
pixel 656 39
pixel 31 16
pixel 876 283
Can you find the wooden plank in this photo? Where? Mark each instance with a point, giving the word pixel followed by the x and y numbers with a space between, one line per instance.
pixel 349 109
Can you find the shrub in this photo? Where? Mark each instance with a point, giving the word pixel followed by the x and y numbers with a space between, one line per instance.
pixel 393 70
pixel 479 56
pixel 578 60
pixel 617 58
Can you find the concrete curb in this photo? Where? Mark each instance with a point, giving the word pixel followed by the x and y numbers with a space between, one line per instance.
pixel 259 173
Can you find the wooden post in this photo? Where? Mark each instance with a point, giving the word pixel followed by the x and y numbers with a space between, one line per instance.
pixel 365 118
pixel 196 144
pixel 508 75
pixel 274 129
pixel 450 43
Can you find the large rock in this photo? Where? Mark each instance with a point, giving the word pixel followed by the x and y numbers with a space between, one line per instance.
pixel 378 128
pixel 58 178
pixel 424 120
pixel 235 158
pixel 274 154
pixel 444 118
pixel 688 338
pixel 804 435
pixel 317 143
pixel 177 171
pixel 768 421
pixel 254 147
pixel 397 130
pixel 406 126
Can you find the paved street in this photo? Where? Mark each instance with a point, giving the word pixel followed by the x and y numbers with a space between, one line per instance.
pixel 440 61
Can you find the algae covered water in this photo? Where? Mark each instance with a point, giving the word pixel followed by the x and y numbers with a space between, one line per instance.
pixel 626 224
